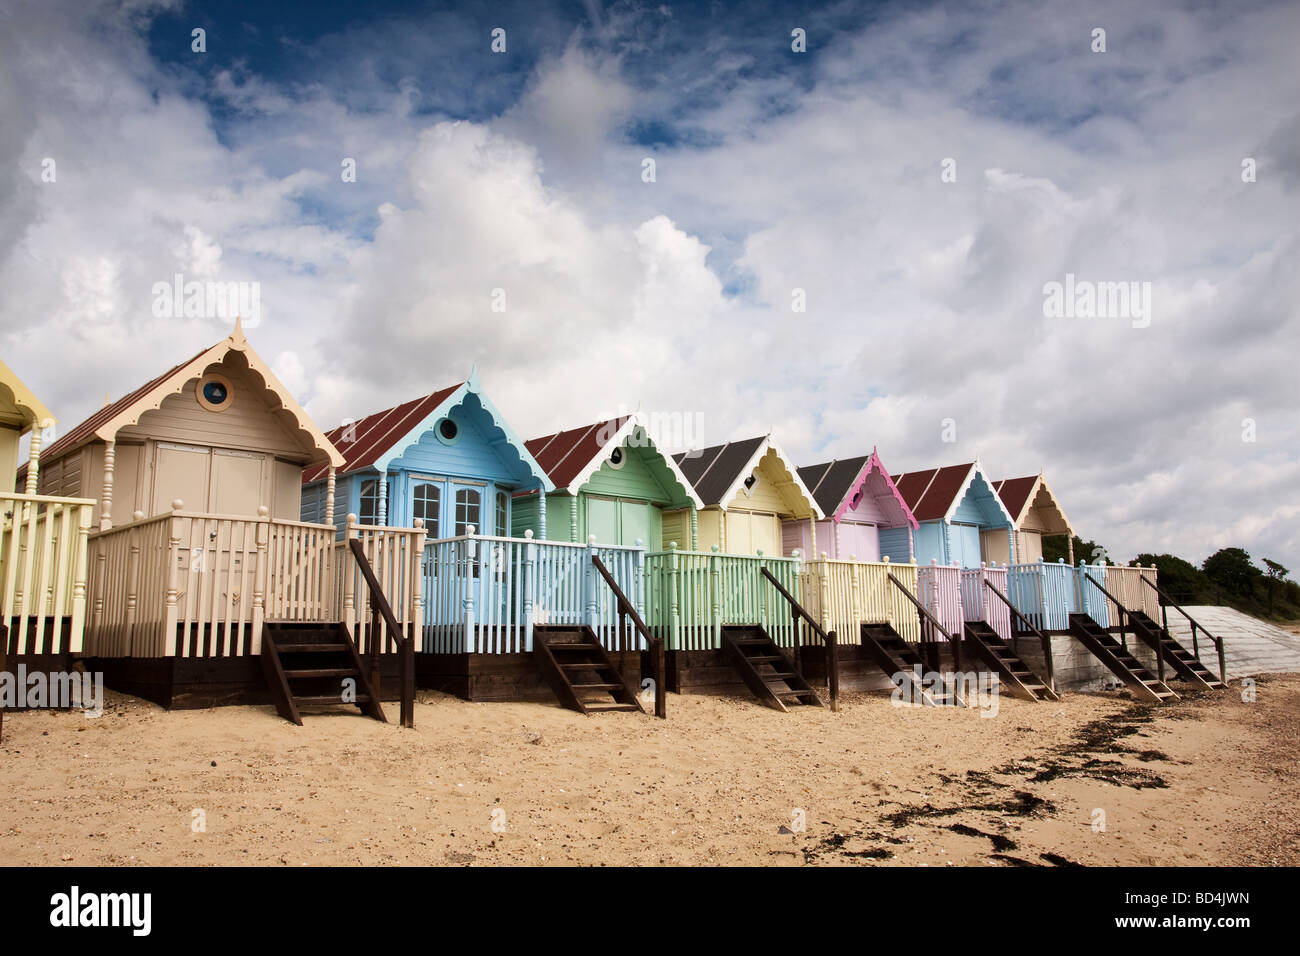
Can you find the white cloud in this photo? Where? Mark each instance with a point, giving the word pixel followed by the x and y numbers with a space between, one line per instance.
pixel 924 298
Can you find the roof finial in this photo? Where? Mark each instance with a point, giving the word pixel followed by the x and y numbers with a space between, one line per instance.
pixel 107 401
pixel 237 335
pixel 473 376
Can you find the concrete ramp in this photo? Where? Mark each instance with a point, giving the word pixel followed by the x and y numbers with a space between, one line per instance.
pixel 1250 646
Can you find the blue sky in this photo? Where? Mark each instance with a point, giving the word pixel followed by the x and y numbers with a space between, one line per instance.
pixel 775 171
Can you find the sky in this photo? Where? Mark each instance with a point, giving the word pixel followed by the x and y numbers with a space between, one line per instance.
pixel 849 246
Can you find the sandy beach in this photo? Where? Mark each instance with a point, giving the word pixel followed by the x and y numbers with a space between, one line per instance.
pixel 1094 780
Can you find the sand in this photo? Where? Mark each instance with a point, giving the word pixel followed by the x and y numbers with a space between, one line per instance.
pixel 1209 780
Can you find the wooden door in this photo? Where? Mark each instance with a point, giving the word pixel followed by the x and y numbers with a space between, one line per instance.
pixel 180 471
pixel 238 479
pixel 634 523
pixel 467 500
pixel 765 535
pixel 859 539
pixel 966 545
pixel 738 538
pixel 602 519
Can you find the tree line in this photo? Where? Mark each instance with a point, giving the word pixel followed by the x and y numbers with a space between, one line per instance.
pixel 1229 576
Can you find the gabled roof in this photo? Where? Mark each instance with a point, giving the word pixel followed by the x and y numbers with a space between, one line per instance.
pixel 1020 494
pixel 377 439
pixel 127 410
pixel 572 456
pixel 835 483
pixel 936 493
pixel 718 472
pixel 18 406
pixel 378 432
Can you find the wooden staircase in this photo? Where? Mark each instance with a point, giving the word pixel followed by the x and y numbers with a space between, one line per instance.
pixel 1013 672
pixel 580 671
pixel 765 668
pixel 1118 660
pixel 1184 662
pixel 894 656
pixel 306 665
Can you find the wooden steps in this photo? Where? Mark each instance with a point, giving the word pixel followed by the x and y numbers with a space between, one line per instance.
pixel 1184 662
pixel 306 665
pixel 1119 661
pixel 580 671
pixel 765 668
pixel 1014 674
pixel 895 656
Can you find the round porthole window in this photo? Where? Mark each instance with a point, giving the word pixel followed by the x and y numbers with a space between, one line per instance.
pixel 214 393
pixel 447 430
pixel 616 458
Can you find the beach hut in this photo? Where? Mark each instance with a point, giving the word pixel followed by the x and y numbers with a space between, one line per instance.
pixel 449 459
pixel 866 515
pixel 611 481
pixel 959 513
pixel 748 490
pixel 844 580
pixel 1035 513
pixel 43 540
pixel 710 599
pixel 196 477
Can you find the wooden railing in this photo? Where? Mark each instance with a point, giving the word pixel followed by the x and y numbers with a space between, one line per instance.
pixel 939 586
pixel 1126 582
pixel 827 638
pixel 1027 627
pixel 1125 625
pixel 1166 602
pixel 483 594
pixel 380 609
pixel 394 557
pixel 43 571
pixel 841 595
pixel 190 584
pixel 654 645
pixel 931 629
pixel 974 598
pixel 691 594
pixel 1048 593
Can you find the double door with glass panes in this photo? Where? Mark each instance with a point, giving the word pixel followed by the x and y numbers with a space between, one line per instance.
pixel 450 506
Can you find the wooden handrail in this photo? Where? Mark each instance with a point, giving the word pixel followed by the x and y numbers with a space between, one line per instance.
pixel 928 618
pixel 654 645
pixel 380 607
pixel 1125 621
pixel 1043 639
pixel 1169 602
pixel 798 611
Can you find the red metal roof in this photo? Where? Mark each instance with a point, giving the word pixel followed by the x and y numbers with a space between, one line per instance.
pixel 564 454
pixel 1015 493
pixel 375 434
pixel 930 493
pixel 86 430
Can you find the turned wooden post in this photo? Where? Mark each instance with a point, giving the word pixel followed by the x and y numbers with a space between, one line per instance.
pixel 330 482
pixel 34 457
pixel 529 587
pixel 106 494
